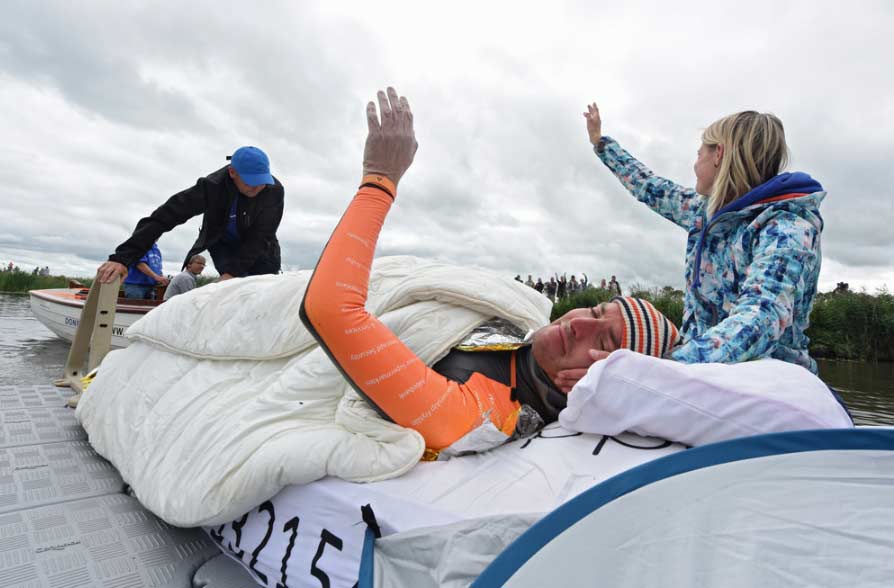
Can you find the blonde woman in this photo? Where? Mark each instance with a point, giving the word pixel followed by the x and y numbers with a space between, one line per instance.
pixel 753 253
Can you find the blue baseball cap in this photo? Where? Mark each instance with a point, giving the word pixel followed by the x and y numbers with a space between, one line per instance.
pixel 252 166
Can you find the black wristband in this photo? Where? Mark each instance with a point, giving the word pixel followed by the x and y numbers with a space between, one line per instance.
pixel 380 187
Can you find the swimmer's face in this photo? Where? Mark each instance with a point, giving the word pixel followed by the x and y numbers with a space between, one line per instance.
pixel 566 342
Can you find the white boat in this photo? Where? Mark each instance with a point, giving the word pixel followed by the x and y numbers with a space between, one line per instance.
pixel 59 309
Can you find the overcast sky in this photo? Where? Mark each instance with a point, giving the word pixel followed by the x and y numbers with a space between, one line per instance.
pixel 111 107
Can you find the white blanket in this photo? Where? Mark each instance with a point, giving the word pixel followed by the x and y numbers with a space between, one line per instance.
pixel 697 404
pixel 223 397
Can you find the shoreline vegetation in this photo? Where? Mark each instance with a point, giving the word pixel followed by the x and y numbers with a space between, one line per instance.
pixel 844 324
pixel 19 282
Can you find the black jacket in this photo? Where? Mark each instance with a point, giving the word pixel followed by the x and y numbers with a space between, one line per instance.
pixel 257 220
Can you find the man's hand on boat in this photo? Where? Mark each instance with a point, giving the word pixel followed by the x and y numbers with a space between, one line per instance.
pixel 109 269
pixel 391 143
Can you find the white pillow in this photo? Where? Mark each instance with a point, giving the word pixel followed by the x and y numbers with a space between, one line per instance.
pixel 697 404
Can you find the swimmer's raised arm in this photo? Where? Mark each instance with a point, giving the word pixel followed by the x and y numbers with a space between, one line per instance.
pixel 391 143
pixel 379 366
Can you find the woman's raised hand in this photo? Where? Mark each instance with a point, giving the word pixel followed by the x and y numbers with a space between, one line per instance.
pixel 594 123
pixel 391 143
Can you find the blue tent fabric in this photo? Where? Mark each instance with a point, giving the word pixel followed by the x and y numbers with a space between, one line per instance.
pixel 366 576
pixel 544 531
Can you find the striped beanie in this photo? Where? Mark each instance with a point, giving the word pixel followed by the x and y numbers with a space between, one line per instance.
pixel 646 330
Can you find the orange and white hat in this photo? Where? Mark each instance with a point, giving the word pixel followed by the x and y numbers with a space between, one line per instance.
pixel 646 330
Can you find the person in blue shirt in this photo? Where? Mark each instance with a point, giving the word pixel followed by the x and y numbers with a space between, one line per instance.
pixel 144 275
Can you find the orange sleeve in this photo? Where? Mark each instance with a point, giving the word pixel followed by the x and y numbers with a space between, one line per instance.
pixel 372 358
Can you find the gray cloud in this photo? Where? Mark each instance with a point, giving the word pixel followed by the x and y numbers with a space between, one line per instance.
pixel 91 61
pixel 120 106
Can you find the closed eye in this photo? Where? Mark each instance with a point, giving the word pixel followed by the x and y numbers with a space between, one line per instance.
pixel 612 335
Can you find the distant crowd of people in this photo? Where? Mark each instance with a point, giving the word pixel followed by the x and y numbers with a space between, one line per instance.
pixel 37 271
pixel 560 287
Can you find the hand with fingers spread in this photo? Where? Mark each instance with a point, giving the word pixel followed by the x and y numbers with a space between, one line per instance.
pixel 594 123
pixel 567 378
pixel 391 143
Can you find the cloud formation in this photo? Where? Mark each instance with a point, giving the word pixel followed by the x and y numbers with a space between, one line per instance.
pixel 119 106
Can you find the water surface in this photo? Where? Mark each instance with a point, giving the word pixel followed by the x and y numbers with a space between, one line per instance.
pixel 867 389
pixel 29 352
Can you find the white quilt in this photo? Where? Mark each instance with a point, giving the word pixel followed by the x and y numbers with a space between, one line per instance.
pixel 223 397
pixel 702 403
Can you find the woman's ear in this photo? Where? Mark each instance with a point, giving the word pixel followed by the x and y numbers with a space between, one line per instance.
pixel 718 155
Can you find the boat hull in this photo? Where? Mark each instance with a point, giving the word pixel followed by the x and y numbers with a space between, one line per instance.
pixel 59 309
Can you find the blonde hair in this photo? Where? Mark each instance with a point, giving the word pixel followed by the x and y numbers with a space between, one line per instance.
pixel 754 152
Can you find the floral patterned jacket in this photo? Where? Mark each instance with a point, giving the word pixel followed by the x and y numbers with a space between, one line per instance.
pixel 751 270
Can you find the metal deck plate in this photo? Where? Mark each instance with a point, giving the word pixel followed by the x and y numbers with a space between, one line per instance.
pixel 110 541
pixel 32 426
pixel 31 415
pixel 23 397
pixel 38 475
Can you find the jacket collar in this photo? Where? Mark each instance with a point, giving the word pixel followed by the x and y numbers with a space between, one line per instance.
pixel 782 187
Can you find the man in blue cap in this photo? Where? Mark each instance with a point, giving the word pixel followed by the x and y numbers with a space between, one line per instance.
pixel 242 205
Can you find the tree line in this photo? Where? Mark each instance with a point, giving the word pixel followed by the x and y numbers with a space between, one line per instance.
pixel 20 282
pixel 843 325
